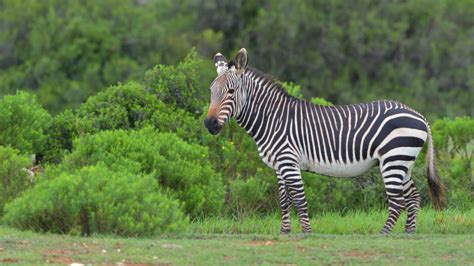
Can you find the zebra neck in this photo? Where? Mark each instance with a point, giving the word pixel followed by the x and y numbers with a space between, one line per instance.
pixel 264 107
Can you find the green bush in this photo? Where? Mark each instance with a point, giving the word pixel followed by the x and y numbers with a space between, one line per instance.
pixel 181 85
pixel 454 143
pixel 247 197
pixel 130 106
pixel 23 122
pixel 181 168
pixel 295 91
pixel 325 193
pixel 123 106
pixel 14 177
pixel 96 200
pixel 60 133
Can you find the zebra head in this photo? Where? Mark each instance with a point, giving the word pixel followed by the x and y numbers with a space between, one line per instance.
pixel 227 91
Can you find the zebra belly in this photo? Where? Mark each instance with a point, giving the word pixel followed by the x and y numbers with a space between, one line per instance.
pixel 340 169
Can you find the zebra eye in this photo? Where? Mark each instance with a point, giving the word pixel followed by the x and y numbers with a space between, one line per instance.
pixel 231 91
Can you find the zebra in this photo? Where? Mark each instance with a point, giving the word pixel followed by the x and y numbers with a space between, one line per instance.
pixel 294 135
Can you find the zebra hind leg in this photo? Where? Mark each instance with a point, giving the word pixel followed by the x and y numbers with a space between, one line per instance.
pixel 412 199
pixel 393 180
pixel 285 204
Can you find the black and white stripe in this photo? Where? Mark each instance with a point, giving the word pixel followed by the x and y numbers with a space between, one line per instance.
pixel 294 135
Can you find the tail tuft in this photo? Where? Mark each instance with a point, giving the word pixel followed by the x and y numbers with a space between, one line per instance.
pixel 434 182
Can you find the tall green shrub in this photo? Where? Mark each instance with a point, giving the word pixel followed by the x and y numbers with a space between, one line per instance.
pixel 130 106
pixel 60 133
pixel 122 106
pixel 454 143
pixel 14 177
pixel 97 200
pixel 181 168
pixel 182 85
pixel 247 197
pixel 23 122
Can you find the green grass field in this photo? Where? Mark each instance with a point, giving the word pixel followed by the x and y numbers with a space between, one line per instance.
pixel 429 222
pixel 443 238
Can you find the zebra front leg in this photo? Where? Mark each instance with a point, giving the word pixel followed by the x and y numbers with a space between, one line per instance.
pixel 285 204
pixel 294 184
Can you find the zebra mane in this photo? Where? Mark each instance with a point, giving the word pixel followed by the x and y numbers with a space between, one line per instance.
pixel 275 83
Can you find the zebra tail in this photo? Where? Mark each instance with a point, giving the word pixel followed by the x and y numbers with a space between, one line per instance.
pixel 434 182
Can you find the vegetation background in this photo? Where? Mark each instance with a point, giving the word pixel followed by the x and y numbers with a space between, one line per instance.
pixel 102 104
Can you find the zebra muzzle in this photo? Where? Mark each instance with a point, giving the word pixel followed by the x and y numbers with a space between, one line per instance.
pixel 212 125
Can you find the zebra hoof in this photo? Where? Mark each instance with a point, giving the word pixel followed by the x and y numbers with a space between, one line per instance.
pixel 285 231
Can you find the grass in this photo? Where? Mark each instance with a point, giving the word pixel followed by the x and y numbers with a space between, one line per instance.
pixel 429 222
pixel 29 248
pixel 443 238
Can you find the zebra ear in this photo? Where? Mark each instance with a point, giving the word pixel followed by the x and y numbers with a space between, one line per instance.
pixel 241 60
pixel 220 62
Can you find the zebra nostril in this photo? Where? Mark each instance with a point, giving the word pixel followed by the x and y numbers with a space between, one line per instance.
pixel 210 122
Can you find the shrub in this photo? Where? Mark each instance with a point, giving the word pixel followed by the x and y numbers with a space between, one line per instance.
pixel 96 200
pixel 454 143
pixel 320 101
pixel 295 91
pixel 247 197
pixel 123 106
pixel 13 174
pixel 180 167
pixel 23 122
pixel 60 134
pixel 131 106
pixel 179 86
pixel 325 193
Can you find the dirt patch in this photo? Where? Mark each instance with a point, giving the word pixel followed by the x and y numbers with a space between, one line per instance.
pixel 118 245
pixel 301 249
pixel 9 260
pixel 133 264
pixel 260 243
pixel 61 256
pixel 358 254
pixel 446 257
pixel 60 260
pixel 61 252
pixel 18 242
pixel 141 264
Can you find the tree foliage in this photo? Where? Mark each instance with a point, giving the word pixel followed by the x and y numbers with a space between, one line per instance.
pixel 66 51
pixel 416 52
